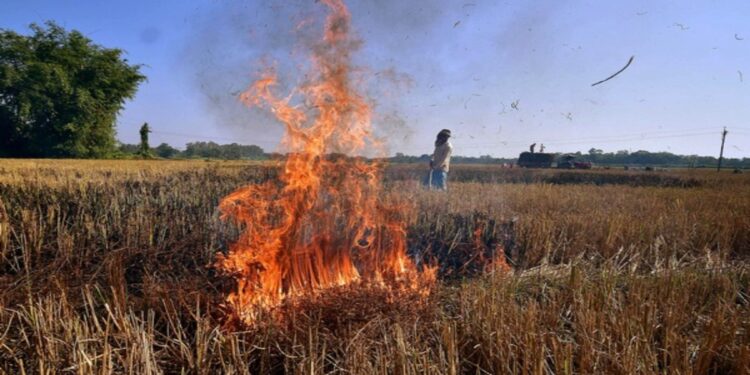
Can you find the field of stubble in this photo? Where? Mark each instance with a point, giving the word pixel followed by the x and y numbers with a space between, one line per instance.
pixel 105 267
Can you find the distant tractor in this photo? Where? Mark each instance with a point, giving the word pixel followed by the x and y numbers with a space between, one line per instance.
pixel 543 160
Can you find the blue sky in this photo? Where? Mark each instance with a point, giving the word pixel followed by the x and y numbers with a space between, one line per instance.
pixel 457 65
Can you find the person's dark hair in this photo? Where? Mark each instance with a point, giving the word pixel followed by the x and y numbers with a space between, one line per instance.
pixel 442 137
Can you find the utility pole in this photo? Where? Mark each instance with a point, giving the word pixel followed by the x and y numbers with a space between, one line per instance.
pixel 721 153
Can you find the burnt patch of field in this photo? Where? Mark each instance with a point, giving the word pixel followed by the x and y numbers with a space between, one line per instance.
pixel 463 246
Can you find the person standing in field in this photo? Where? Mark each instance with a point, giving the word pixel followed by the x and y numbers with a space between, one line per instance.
pixel 440 161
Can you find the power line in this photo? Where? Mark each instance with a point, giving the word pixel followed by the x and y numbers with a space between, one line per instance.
pixel 641 134
pixel 635 138
pixel 631 135
pixel 630 138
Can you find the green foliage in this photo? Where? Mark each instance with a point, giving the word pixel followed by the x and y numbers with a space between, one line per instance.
pixel 60 93
pixel 166 151
pixel 216 151
pixel 145 148
pixel 196 150
pixel 646 158
pixel 599 157
pixel 127 148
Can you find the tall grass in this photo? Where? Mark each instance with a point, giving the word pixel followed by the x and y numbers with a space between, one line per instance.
pixel 104 269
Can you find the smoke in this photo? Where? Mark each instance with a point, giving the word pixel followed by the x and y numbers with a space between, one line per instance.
pixel 423 65
pixel 236 40
pixel 229 44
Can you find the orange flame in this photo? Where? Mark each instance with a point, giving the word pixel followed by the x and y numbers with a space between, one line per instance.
pixel 324 223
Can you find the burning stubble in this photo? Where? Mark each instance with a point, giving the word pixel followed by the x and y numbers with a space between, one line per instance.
pixel 324 223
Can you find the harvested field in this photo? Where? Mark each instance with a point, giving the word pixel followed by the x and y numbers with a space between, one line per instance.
pixel 106 267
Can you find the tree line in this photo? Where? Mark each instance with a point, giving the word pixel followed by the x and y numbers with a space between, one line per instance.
pixel 641 158
pixel 665 159
pixel 195 150
pixel 601 158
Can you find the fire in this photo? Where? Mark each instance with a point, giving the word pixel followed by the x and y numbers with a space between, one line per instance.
pixel 325 222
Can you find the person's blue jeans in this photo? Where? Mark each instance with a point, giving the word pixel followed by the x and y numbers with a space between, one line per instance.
pixel 438 181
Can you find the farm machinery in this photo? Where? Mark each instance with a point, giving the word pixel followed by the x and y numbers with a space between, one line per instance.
pixel 546 160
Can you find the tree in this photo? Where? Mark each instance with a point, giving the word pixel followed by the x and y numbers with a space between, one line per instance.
pixel 216 151
pixel 127 148
pixel 203 149
pixel 145 148
pixel 60 93
pixel 166 151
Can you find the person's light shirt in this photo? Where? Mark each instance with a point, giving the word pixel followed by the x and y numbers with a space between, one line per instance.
pixel 441 158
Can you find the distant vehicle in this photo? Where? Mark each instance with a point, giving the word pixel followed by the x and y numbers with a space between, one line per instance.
pixel 583 164
pixel 535 160
pixel 543 160
pixel 568 162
